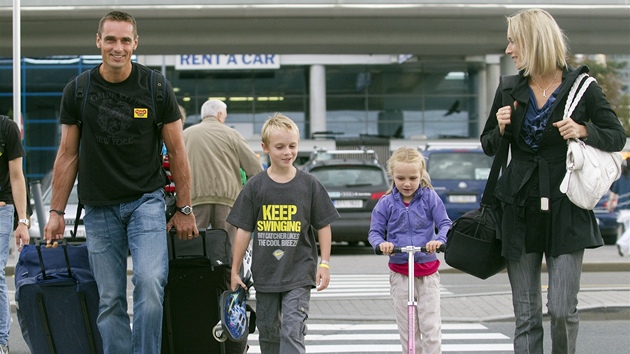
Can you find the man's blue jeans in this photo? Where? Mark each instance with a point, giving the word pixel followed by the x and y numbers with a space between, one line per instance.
pixel 112 231
pixel 6 229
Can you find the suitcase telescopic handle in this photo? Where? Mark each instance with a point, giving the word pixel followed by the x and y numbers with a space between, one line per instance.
pixel 173 235
pixel 64 246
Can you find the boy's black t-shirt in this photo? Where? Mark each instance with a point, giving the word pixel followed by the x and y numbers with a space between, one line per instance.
pixel 280 215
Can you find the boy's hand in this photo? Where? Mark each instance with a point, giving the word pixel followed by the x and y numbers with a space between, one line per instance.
pixel 322 279
pixel 236 281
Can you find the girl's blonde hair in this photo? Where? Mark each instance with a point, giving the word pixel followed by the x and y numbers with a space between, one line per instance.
pixel 277 122
pixel 541 42
pixel 409 155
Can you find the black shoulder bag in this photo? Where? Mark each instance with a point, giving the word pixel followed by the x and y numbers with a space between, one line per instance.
pixel 473 243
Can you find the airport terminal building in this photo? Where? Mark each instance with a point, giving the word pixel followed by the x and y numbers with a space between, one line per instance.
pixel 405 71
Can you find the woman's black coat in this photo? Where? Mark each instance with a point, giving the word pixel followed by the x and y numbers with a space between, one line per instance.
pixel 531 175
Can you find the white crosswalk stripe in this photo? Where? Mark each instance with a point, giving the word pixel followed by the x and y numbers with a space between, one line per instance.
pixel 373 286
pixel 383 338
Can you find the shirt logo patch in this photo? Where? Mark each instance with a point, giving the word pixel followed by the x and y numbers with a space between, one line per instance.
pixel 278 254
pixel 140 112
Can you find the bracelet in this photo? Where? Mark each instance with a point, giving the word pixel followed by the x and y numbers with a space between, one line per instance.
pixel 324 265
pixel 324 262
pixel 58 212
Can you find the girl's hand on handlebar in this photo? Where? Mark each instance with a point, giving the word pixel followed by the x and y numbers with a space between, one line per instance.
pixel 386 247
pixel 432 246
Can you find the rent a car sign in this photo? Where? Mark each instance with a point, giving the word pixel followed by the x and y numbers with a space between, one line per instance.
pixel 227 61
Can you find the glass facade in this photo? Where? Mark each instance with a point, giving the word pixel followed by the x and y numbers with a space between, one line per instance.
pixel 428 100
pixel 411 100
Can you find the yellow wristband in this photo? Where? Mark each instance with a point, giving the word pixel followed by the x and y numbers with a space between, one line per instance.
pixel 324 265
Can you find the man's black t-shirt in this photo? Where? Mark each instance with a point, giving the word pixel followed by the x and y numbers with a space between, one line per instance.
pixel 12 150
pixel 119 158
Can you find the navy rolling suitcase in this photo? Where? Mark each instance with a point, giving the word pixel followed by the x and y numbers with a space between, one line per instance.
pixel 199 271
pixel 57 299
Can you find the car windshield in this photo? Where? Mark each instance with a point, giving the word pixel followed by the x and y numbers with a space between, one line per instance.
pixel 459 165
pixel 351 176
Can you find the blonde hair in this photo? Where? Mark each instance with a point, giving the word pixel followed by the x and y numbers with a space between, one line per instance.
pixel 541 42
pixel 409 155
pixel 277 122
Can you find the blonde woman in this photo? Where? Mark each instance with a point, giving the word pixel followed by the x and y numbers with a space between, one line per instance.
pixel 537 218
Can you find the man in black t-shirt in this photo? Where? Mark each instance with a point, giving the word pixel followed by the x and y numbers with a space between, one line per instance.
pixel 12 199
pixel 121 183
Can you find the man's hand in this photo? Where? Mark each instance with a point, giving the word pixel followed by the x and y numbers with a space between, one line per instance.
pixel 21 236
pixel 55 227
pixel 185 225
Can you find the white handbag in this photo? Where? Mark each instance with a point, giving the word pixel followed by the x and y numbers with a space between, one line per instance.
pixel 590 171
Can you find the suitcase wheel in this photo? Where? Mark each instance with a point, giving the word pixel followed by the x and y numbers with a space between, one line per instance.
pixel 218 333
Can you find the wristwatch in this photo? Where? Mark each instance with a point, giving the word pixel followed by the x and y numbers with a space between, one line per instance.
pixel 186 210
pixel 26 222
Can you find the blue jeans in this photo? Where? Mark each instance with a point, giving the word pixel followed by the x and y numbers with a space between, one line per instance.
pixel 112 231
pixel 6 228
pixel 564 284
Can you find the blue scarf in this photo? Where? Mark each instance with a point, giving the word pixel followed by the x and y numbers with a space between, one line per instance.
pixel 536 119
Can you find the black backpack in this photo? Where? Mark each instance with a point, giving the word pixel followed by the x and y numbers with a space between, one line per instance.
pixel 158 92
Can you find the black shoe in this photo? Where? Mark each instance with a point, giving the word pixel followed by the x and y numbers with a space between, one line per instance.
pixel 620 250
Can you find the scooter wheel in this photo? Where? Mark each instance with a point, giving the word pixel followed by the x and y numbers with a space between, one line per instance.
pixel 218 333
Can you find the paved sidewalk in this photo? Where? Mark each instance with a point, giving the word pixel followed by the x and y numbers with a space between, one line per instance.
pixel 592 303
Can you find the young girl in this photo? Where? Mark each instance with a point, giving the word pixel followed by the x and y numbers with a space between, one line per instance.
pixel 408 215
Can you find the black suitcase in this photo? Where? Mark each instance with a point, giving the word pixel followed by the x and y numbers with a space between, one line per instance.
pixel 57 299
pixel 199 271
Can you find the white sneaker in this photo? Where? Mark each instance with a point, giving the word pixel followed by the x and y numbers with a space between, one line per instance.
pixel 4 349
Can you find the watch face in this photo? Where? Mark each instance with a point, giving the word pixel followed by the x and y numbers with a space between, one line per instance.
pixel 186 210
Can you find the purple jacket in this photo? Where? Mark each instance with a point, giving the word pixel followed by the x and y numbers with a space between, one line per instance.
pixel 414 225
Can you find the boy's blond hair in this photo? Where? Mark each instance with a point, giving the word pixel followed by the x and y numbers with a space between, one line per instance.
pixel 277 122
pixel 409 155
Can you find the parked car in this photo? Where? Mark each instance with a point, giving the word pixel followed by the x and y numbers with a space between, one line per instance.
pixel 458 175
pixel 355 181
pixel 71 212
pixel 610 229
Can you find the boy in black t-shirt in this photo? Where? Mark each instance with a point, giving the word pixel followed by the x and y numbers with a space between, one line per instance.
pixel 281 207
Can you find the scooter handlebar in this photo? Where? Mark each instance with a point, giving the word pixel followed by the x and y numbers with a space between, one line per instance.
pixel 442 248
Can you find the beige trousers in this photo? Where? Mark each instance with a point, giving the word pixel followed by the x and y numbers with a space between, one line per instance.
pixel 428 324
pixel 213 216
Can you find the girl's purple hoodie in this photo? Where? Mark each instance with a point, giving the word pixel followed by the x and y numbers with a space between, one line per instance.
pixel 412 225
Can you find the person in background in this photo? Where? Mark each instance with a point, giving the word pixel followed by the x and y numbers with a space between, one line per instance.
pixel 182 111
pixel 619 200
pixel 13 201
pixel 217 153
pixel 409 215
pixel 283 208
pixel 537 219
pixel 121 183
